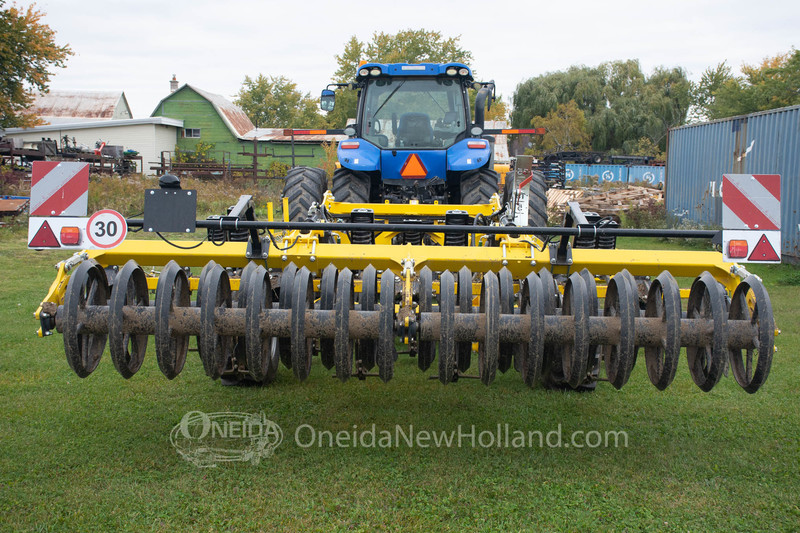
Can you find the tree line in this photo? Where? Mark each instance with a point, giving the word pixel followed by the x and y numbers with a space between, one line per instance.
pixel 612 107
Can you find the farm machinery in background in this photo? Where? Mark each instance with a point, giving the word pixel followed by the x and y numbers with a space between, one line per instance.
pixel 414 248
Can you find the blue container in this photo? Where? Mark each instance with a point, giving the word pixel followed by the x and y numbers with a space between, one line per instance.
pixel 646 175
pixel 608 173
pixel 760 143
pixel 575 173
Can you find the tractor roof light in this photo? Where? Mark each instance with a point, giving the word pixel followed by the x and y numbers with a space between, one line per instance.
pixel 363 72
pixel 451 71
pixel 375 71
pixel 463 72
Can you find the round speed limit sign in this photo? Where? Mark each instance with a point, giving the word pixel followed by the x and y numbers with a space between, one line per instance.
pixel 106 228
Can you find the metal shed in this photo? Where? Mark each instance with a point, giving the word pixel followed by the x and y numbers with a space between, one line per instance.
pixel 698 155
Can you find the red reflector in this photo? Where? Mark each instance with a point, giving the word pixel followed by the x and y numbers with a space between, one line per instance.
pixel 70 235
pixel 737 249
pixel 349 145
pixel 476 144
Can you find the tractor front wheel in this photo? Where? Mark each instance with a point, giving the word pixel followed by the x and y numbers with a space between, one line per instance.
pixel 303 186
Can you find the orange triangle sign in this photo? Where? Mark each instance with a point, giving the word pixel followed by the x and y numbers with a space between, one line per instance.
pixel 44 238
pixel 764 251
pixel 413 168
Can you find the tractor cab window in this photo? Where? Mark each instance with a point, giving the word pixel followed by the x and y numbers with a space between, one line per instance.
pixel 413 113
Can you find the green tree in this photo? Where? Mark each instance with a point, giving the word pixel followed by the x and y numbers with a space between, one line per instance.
pixel 275 102
pixel 620 103
pixel 566 129
pixel 28 52
pixel 406 46
pixel 705 91
pixel 772 84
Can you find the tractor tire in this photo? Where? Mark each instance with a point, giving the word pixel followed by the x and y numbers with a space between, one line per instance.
pixel 478 186
pixel 537 201
pixel 351 186
pixel 303 186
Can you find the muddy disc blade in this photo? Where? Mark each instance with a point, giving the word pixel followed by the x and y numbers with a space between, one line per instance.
pixel 386 351
pixel 664 302
pixel 217 347
pixel 464 349
pixel 343 346
pixel 172 292
pixel 302 345
pixel 575 356
pixel 285 302
pixel 751 302
pixel 489 348
pixel 426 350
pixel 87 286
pixel 707 302
pixel 447 344
pixel 366 349
pixel 130 288
pixel 261 354
pixel 327 296
pixel 620 302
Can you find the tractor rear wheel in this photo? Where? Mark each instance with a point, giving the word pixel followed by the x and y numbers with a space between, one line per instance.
pixel 351 186
pixel 537 201
pixel 478 186
pixel 303 186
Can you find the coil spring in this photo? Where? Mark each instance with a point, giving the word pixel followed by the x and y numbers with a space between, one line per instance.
pixel 363 216
pixel 458 218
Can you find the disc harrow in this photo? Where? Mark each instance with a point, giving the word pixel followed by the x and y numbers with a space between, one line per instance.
pixel 559 334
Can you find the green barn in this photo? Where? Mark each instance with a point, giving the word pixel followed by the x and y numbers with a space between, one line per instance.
pixel 211 119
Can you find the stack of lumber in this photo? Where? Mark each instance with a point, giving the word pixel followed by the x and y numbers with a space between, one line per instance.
pixel 616 200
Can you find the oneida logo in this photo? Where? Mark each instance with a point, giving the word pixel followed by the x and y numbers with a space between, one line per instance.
pixel 205 439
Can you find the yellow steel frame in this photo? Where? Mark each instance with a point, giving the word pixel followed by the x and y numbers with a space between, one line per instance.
pixel 521 255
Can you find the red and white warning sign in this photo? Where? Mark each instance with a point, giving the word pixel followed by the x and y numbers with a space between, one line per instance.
pixel 751 218
pixel 103 230
pixel 59 188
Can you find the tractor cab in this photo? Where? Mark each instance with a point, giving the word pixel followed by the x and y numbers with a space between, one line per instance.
pixel 413 135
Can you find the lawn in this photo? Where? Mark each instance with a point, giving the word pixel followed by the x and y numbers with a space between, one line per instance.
pixel 94 454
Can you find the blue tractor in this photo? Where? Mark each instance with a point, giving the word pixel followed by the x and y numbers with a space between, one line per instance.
pixel 414 139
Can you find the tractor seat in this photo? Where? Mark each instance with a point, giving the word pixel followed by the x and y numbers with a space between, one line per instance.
pixel 415 130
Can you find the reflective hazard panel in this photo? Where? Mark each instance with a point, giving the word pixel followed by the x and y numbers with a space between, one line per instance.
pixel 751 218
pixel 413 168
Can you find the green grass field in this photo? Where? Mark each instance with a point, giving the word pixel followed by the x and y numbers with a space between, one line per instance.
pixel 94 454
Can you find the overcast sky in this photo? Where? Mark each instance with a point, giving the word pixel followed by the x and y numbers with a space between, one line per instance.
pixel 136 46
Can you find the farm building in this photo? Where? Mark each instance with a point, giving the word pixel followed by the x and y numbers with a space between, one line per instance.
pixel 56 107
pixel 211 119
pixel 698 155
pixel 148 136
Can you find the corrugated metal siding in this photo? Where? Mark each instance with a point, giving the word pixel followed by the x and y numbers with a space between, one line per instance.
pixel 698 156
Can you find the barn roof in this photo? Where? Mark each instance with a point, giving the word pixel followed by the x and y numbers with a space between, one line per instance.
pixel 60 106
pixel 232 115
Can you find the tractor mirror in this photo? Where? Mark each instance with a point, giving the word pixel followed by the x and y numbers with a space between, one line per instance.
pixel 328 100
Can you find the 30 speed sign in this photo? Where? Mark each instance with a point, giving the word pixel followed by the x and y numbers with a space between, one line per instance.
pixel 106 228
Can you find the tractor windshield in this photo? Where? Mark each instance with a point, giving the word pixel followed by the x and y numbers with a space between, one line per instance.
pixel 413 112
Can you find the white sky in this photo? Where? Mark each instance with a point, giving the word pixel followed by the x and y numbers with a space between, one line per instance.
pixel 137 45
